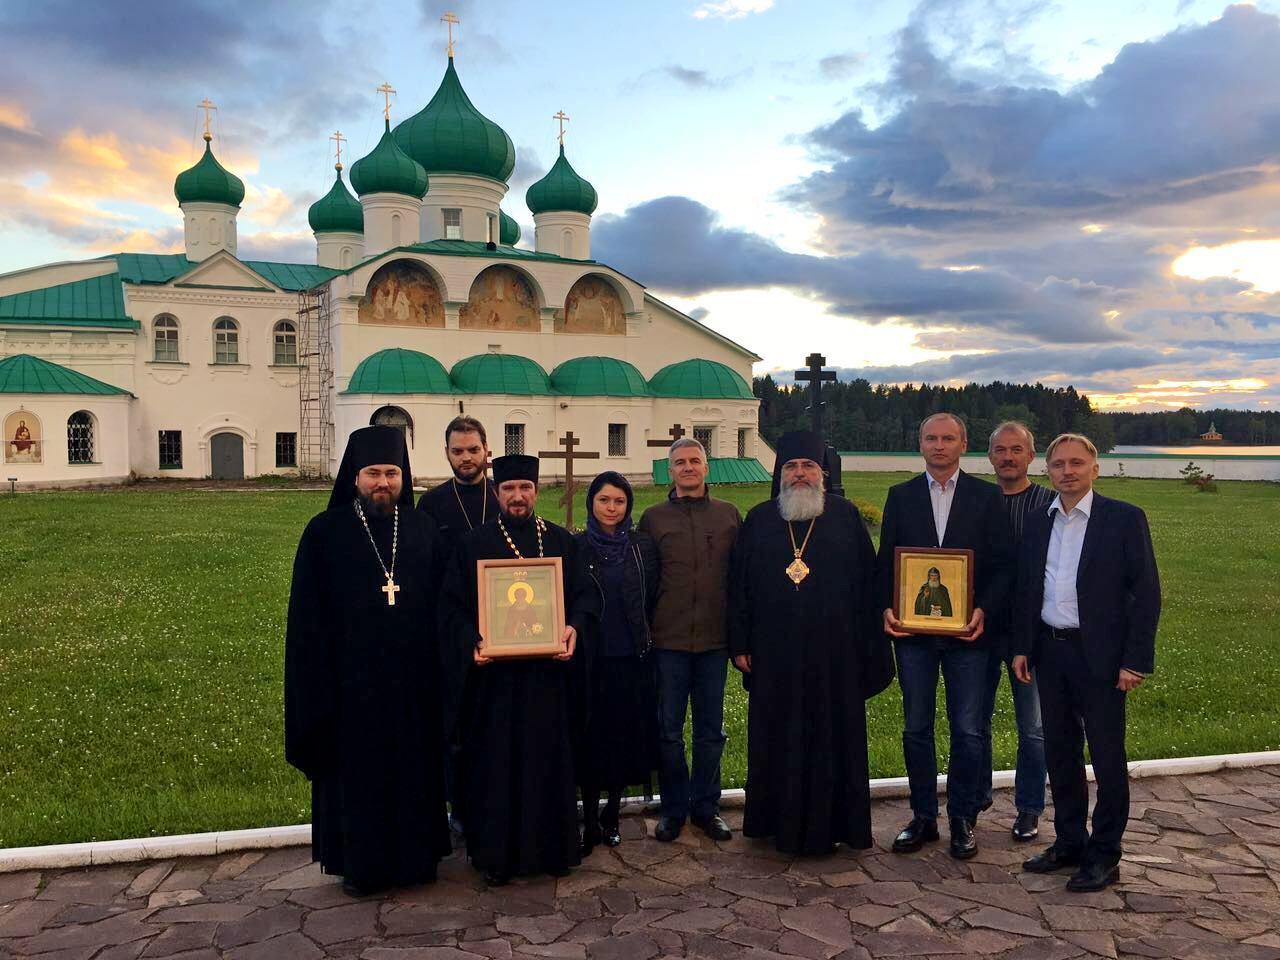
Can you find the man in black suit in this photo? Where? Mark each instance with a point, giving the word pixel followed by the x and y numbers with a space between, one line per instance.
pixel 1088 605
pixel 945 507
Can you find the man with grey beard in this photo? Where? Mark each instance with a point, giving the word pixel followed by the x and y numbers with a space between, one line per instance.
pixel 804 630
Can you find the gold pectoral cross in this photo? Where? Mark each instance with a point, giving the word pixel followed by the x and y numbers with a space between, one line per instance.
pixel 797 570
pixel 391 589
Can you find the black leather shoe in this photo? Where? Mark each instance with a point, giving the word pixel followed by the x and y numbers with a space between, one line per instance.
pixel 964 844
pixel 1093 876
pixel 915 835
pixel 455 825
pixel 1025 827
pixel 611 836
pixel 714 827
pixel 351 890
pixel 1050 860
pixel 986 805
pixel 496 879
pixel 591 836
pixel 668 829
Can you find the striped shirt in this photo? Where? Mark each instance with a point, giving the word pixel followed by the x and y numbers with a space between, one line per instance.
pixel 1035 497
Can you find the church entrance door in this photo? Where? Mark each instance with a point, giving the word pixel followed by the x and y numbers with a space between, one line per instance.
pixel 226 451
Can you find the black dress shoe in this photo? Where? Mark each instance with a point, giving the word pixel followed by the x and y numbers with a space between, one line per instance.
pixel 986 805
pixel 351 890
pixel 915 835
pixel 1025 827
pixel 964 844
pixel 1050 860
pixel 455 825
pixel 610 835
pixel 714 827
pixel 496 879
pixel 1093 876
pixel 668 829
pixel 591 837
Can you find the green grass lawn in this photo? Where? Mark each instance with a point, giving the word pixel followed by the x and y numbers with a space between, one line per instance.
pixel 142 644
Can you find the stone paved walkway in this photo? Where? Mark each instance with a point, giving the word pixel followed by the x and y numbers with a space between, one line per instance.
pixel 1201 881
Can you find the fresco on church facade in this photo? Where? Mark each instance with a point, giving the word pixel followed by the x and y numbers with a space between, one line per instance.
pixel 501 299
pixel 403 294
pixel 592 306
pixel 22 441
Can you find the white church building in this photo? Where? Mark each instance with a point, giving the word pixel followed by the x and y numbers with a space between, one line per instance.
pixel 419 306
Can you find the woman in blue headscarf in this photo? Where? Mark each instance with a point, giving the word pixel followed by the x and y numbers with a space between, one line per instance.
pixel 620 737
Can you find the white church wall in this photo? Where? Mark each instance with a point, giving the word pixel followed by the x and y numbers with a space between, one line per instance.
pixel 564 233
pixel 106 355
pixel 208 228
pixel 475 198
pixel 110 416
pixel 428 414
pixel 669 337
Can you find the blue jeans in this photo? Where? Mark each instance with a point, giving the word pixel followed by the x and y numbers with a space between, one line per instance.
pixel 964 672
pixel 700 678
pixel 1028 778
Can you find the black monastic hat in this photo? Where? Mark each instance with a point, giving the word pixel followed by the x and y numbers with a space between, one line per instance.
pixel 366 447
pixel 797 445
pixel 515 466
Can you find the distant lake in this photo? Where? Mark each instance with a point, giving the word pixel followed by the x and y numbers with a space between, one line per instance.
pixel 1206 450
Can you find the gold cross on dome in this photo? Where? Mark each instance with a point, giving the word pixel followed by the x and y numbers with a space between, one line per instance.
pixel 562 117
pixel 337 139
pixel 386 90
pixel 207 106
pixel 451 19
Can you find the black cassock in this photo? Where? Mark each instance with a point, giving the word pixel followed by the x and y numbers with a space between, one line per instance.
pixel 818 651
pixel 517 722
pixel 362 699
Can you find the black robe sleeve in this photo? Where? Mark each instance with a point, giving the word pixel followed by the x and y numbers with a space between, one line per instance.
pixel 582 608
pixel 309 681
pixel 738 620
pixel 877 651
pixel 459 635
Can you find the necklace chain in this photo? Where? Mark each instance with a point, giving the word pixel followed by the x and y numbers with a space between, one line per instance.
pixel 484 504
pixel 799 551
pixel 395 538
pixel 538 527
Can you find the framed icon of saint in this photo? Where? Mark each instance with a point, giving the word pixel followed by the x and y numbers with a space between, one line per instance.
pixel 933 589
pixel 521 607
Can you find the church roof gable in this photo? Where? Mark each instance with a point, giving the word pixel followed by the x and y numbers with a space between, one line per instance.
pixel 161 268
pixel 23 373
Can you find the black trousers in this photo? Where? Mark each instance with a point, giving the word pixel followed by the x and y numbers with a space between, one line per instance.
pixel 1076 705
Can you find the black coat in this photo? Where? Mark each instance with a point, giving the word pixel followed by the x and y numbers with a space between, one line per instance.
pixel 639 583
pixel 1117 585
pixel 978 521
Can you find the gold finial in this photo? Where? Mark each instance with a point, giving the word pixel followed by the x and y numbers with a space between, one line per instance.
pixel 386 90
pixel 207 106
pixel 563 118
pixel 337 139
pixel 451 19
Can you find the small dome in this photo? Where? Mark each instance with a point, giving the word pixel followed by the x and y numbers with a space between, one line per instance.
pixel 399 371
pixel 337 211
pixel 598 377
pixel 500 373
pixel 561 189
pixel 700 380
pixel 449 135
pixel 508 230
pixel 209 182
pixel 388 169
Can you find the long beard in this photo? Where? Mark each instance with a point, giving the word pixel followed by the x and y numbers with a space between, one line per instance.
pixel 376 510
pixel 801 503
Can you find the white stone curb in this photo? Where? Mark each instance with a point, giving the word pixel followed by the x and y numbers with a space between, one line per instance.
pixel 64 855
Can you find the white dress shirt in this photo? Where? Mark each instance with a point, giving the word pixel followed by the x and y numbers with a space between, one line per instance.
pixel 1061 606
pixel 942 495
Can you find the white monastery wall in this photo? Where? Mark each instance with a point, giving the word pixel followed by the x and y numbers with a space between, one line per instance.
pixel 49 414
pixel 1110 465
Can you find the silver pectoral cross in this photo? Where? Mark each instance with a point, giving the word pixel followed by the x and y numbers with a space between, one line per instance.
pixel 391 589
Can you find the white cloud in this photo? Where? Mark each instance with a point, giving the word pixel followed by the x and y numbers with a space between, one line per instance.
pixel 731 9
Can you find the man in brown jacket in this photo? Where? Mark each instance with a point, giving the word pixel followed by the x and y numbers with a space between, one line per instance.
pixel 694 534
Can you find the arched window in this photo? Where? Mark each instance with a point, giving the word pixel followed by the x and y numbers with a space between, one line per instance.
pixel 166 334
pixel 286 344
pixel 566 244
pixel 395 230
pixel 394 417
pixel 226 341
pixel 80 437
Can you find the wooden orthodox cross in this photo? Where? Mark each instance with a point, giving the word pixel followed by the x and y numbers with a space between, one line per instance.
pixel 568 455
pixel 816 375
pixel 676 432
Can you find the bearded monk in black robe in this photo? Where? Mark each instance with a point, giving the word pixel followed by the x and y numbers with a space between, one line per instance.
pixel 362 674
pixel 517 721
pixel 806 633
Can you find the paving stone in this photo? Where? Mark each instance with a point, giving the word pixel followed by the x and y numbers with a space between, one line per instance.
pixel 1100 943
pixel 757 913
pixel 197 912
pixel 173 898
pixel 979 941
pixel 1002 895
pixel 890 893
pixel 535 929
pixel 910 923
pixel 581 881
pixel 712 896
pixel 122 951
pixel 909 945
pixel 495 949
pixel 417 953
pixel 181 938
pixel 683 871
pixel 617 901
pixel 1052 949
pixel 1099 899
pixel 554 951
pixel 99 886
pixel 232 867
pixel 589 931
pixel 145 883
pixel 796 944
pixel 581 908
pixel 749 936
pixel 186 878
pixel 1148 903
pixel 1246 884
pixel 120 929
pixel 408 919
pixel 707 947
pixel 631 946
pixel 770 890
pixel 993 918
pixel 638 920
pixel 845 878
pixel 27 918
pixel 1081 918
pixel 309 875
pixel 1180 881
pixel 278 862
pixel 698 920
pixel 821 922
pixel 263 925
pixel 939 907
pixel 876 914
pixel 88 913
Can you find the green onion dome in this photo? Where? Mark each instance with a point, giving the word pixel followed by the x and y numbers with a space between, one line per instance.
pixel 598 377
pixel 449 135
pixel 561 189
pixel 399 371
pixel 508 230
pixel 700 380
pixel 209 182
pixel 388 169
pixel 337 211
pixel 500 373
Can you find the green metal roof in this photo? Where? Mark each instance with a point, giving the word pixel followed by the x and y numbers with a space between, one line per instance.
pixel 476 248
pixel 399 371
pixel 508 229
pixel 598 377
pixel 721 470
pixel 700 380
pixel 208 182
pixel 561 189
pixel 164 267
pixel 500 373
pixel 95 302
pixel 449 135
pixel 23 373
pixel 337 211
pixel 388 169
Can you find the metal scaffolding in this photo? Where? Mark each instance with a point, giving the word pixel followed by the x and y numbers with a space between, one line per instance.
pixel 315 385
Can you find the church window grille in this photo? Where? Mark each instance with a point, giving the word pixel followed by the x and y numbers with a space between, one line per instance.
pixel 513 438
pixel 704 435
pixel 80 437
pixel 452 224
pixel 286 449
pixel 286 344
pixel 166 334
pixel 617 439
pixel 170 449
pixel 743 435
pixel 226 341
